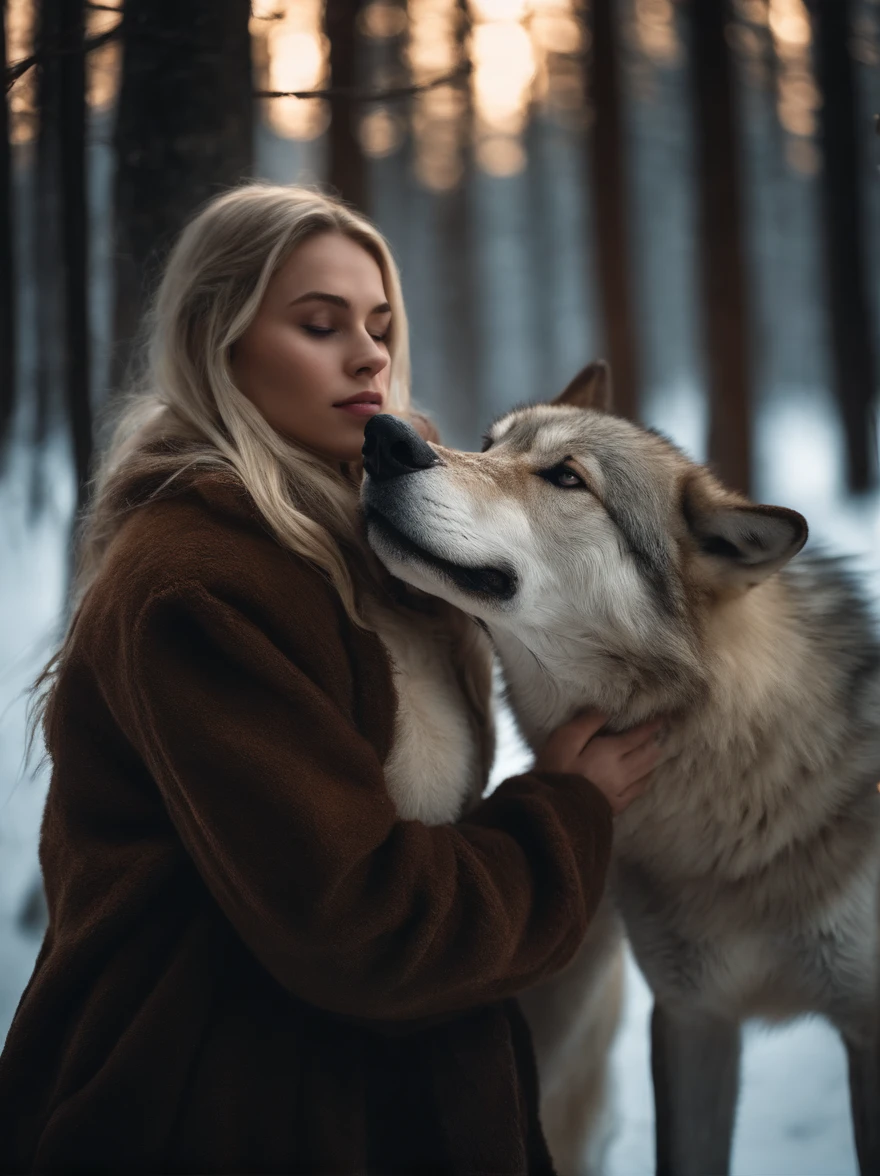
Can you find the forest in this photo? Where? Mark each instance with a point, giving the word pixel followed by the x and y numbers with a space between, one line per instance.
pixel 689 188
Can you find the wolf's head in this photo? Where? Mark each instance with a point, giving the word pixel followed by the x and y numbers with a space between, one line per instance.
pixel 572 522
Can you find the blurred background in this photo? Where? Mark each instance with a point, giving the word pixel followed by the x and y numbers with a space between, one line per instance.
pixel 687 187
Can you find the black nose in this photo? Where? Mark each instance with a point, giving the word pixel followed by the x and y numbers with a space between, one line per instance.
pixel 392 447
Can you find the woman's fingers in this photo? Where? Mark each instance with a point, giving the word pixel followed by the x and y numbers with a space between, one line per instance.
pixel 568 741
pixel 639 787
pixel 641 761
pixel 635 738
pixel 633 792
pixel 584 726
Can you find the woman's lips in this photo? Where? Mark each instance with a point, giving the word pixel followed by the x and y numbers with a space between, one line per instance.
pixel 360 408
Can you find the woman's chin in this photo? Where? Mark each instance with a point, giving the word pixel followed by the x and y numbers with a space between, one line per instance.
pixel 331 449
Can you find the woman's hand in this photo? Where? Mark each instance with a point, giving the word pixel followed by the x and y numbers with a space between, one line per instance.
pixel 618 765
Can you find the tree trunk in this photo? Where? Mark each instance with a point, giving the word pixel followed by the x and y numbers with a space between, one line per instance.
pixel 7 265
pixel 458 281
pixel 184 132
pixel 610 201
pixel 722 244
pixel 74 240
pixel 346 170
pixel 852 339
pixel 45 236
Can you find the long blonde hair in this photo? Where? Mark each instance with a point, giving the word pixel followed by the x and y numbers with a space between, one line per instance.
pixel 184 412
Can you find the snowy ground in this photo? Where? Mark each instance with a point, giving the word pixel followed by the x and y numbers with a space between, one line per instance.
pixel 32 578
pixel 793 1115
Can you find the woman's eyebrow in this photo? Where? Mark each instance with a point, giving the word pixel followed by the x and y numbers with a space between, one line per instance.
pixel 336 300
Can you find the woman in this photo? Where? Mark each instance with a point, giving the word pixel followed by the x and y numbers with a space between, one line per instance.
pixel 254 963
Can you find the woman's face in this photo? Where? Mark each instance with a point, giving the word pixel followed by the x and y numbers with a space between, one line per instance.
pixel 314 361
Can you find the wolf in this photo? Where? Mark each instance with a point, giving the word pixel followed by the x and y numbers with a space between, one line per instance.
pixel 613 573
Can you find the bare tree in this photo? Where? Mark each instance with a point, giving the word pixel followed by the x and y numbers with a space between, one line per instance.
pixel 457 277
pixel 7 265
pixel 46 241
pixel 346 172
pixel 852 338
pixel 722 243
pixel 611 205
pixel 74 239
pixel 184 132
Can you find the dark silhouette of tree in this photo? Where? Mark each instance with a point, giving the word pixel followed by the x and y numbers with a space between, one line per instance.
pixel 183 133
pixel 541 261
pixel 457 277
pixel 722 243
pixel 346 172
pixel 74 239
pixel 7 266
pixel 46 234
pixel 852 339
pixel 611 210
pixel 56 48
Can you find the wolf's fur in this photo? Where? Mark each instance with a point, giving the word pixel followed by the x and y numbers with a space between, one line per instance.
pixel 433 769
pixel 749 875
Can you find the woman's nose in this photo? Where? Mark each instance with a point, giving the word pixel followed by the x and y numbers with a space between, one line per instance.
pixel 369 358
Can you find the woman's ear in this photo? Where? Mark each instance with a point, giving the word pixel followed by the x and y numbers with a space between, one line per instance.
pixel 591 388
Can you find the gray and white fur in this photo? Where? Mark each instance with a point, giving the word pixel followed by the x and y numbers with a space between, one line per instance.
pixel 613 573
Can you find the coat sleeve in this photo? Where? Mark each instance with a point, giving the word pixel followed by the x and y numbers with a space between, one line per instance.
pixel 281 804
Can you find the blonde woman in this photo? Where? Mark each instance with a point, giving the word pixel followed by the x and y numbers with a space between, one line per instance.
pixel 254 961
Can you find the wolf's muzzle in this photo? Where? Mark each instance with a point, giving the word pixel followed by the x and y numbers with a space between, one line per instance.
pixel 392 448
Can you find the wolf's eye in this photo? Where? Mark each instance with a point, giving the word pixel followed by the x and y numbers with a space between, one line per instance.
pixel 563 477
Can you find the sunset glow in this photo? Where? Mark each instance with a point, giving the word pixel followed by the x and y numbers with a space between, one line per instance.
pixel 526 55
pixel 653 26
pixel 19 44
pixel 293 56
pixel 437 118
pixel 505 66
pixel 103 65
pixel 797 96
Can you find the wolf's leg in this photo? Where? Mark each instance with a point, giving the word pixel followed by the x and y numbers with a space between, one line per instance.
pixel 573 1019
pixel 695 1066
pixel 575 1104
pixel 864 1089
pixel 852 1005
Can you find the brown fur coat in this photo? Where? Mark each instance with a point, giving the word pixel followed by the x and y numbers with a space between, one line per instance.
pixel 252 964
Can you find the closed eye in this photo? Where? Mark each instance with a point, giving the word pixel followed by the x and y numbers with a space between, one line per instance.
pixel 322 332
pixel 564 477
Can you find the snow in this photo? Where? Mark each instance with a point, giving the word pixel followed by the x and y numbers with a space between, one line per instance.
pixel 32 577
pixel 793 1116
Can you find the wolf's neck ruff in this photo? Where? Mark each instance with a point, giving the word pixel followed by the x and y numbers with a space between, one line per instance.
pixel 553 676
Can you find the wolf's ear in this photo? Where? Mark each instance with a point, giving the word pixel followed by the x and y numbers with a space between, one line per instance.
pixel 590 388
pixel 744 543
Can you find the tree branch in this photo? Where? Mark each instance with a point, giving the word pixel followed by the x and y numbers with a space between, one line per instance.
pixel 20 68
pixel 353 95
